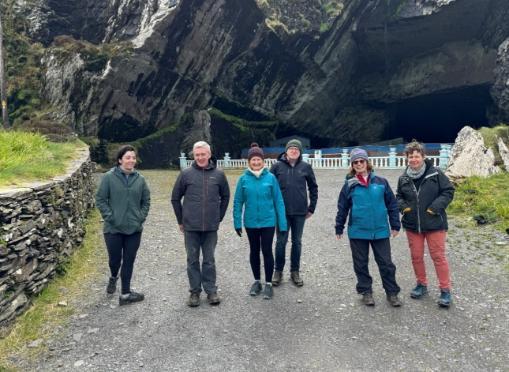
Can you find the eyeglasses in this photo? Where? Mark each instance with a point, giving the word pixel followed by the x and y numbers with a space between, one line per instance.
pixel 360 161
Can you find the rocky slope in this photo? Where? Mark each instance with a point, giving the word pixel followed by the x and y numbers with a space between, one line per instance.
pixel 377 69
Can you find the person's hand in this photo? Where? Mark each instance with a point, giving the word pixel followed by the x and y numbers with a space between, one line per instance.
pixel 309 214
pixel 239 232
pixel 394 233
pixel 181 227
pixel 406 210
pixel 338 237
pixel 429 211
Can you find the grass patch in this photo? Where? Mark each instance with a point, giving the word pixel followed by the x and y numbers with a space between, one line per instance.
pixel 488 197
pixel 29 156
pixel 42 319
pixel 491 136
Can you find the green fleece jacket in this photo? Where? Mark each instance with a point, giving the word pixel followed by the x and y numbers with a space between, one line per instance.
pixel 123 201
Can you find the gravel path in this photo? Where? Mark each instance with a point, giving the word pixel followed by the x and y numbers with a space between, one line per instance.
pixel 321 326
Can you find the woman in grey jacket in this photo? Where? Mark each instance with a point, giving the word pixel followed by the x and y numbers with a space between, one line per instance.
pixel 123 198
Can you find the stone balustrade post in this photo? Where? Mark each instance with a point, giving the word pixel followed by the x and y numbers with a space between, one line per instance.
pixel 392 157
pixel 183 161
pixel 444 156
pixel 305 158
pixel 227 160
pixel 344 158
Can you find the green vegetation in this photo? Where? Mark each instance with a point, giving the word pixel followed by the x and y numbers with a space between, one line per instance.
pixel 242 124
pixel 30 156
pixel 22 66
pixel 42 319
pixel 487 197
pixel 491 136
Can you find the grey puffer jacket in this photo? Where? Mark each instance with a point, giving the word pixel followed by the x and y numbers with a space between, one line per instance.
pixel 206 196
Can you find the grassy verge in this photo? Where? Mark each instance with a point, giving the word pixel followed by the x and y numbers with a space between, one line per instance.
pixel 489 198
pixel 42 320
pixel 28 156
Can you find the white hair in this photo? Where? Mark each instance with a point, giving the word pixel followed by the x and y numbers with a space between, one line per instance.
pixel 201 144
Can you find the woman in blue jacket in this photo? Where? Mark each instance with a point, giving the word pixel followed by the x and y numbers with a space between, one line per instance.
pixel 258 195
pixel 370 205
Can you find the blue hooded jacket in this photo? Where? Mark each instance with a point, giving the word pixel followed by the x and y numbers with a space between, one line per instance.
pixel 261 200
pixel 370 209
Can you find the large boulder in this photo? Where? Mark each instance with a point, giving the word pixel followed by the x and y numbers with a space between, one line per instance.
pixel 470 156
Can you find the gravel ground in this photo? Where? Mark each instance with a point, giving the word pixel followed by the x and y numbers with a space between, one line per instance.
pixel 321 326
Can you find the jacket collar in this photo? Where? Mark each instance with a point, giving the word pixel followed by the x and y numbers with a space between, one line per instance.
pixel 210 165
pixel 282 157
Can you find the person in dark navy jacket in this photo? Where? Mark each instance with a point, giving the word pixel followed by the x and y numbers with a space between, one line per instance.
pixel 373 217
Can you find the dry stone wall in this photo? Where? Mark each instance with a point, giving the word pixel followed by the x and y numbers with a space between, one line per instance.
pixel 40 226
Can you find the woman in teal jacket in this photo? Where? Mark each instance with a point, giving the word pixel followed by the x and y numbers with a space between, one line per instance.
pixel 123 198
pixel 372 211
pixel 259 195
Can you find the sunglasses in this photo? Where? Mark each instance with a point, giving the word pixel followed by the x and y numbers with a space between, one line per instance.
pixel 361 161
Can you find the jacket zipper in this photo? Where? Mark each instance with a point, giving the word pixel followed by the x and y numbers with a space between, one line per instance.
pixel 204 201
pixel 418 213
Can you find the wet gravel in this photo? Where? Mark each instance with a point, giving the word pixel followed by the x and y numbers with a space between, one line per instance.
pixel 321 326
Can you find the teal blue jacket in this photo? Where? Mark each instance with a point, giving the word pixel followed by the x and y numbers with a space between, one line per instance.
pixel 123 202
pixel 261 200
pixel 372 211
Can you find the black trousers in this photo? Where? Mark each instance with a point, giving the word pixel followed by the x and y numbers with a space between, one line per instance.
pixel 382 252
pixel 261 239
pixel 122 251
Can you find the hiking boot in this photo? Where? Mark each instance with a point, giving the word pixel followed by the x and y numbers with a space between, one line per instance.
pixel 394 300
pixel 112 285
pixel 296 279
pixel 419 291
pixel 213 299
pixel 256 288
pixel 129 298
pixel 444 299
pixel 194 299
pixel 277 278
pixel 268 292
pixel 367 299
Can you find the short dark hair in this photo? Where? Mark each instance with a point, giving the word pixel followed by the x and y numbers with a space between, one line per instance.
pixel 413 146
pixel 121 152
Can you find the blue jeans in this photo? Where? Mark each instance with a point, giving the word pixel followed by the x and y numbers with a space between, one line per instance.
pixel 296 225
pixel 204 241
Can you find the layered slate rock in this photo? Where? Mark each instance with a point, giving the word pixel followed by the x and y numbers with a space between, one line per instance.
pixel 40 226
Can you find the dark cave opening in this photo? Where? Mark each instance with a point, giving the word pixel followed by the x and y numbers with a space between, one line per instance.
pixel 439 117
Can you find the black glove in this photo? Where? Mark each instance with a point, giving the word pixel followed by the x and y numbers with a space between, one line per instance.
pixel 239 232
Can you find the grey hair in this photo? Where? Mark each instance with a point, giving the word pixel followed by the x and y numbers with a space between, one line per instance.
pixel 201 144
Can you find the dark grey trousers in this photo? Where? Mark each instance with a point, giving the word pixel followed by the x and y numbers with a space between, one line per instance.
pixel 206 242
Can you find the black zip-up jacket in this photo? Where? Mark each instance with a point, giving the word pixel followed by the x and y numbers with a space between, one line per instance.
pixel 292 181
pixel 206 196
pixel 434 194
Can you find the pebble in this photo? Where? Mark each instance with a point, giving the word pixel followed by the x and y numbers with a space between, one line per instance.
pixel 79 363
pixel 35 343
pixel 62 303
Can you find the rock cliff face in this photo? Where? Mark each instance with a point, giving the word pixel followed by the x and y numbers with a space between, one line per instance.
pixel 410 68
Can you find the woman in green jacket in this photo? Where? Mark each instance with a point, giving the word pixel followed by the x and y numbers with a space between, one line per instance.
pixel 123 198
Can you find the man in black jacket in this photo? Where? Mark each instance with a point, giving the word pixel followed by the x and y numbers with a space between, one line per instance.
pixel 293 175
pixel 206 195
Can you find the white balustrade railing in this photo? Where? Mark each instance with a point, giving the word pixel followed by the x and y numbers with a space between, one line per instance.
pixel 390 161
pixel 378 162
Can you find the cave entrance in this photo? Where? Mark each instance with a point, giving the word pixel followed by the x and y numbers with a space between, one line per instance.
pixel 439 117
